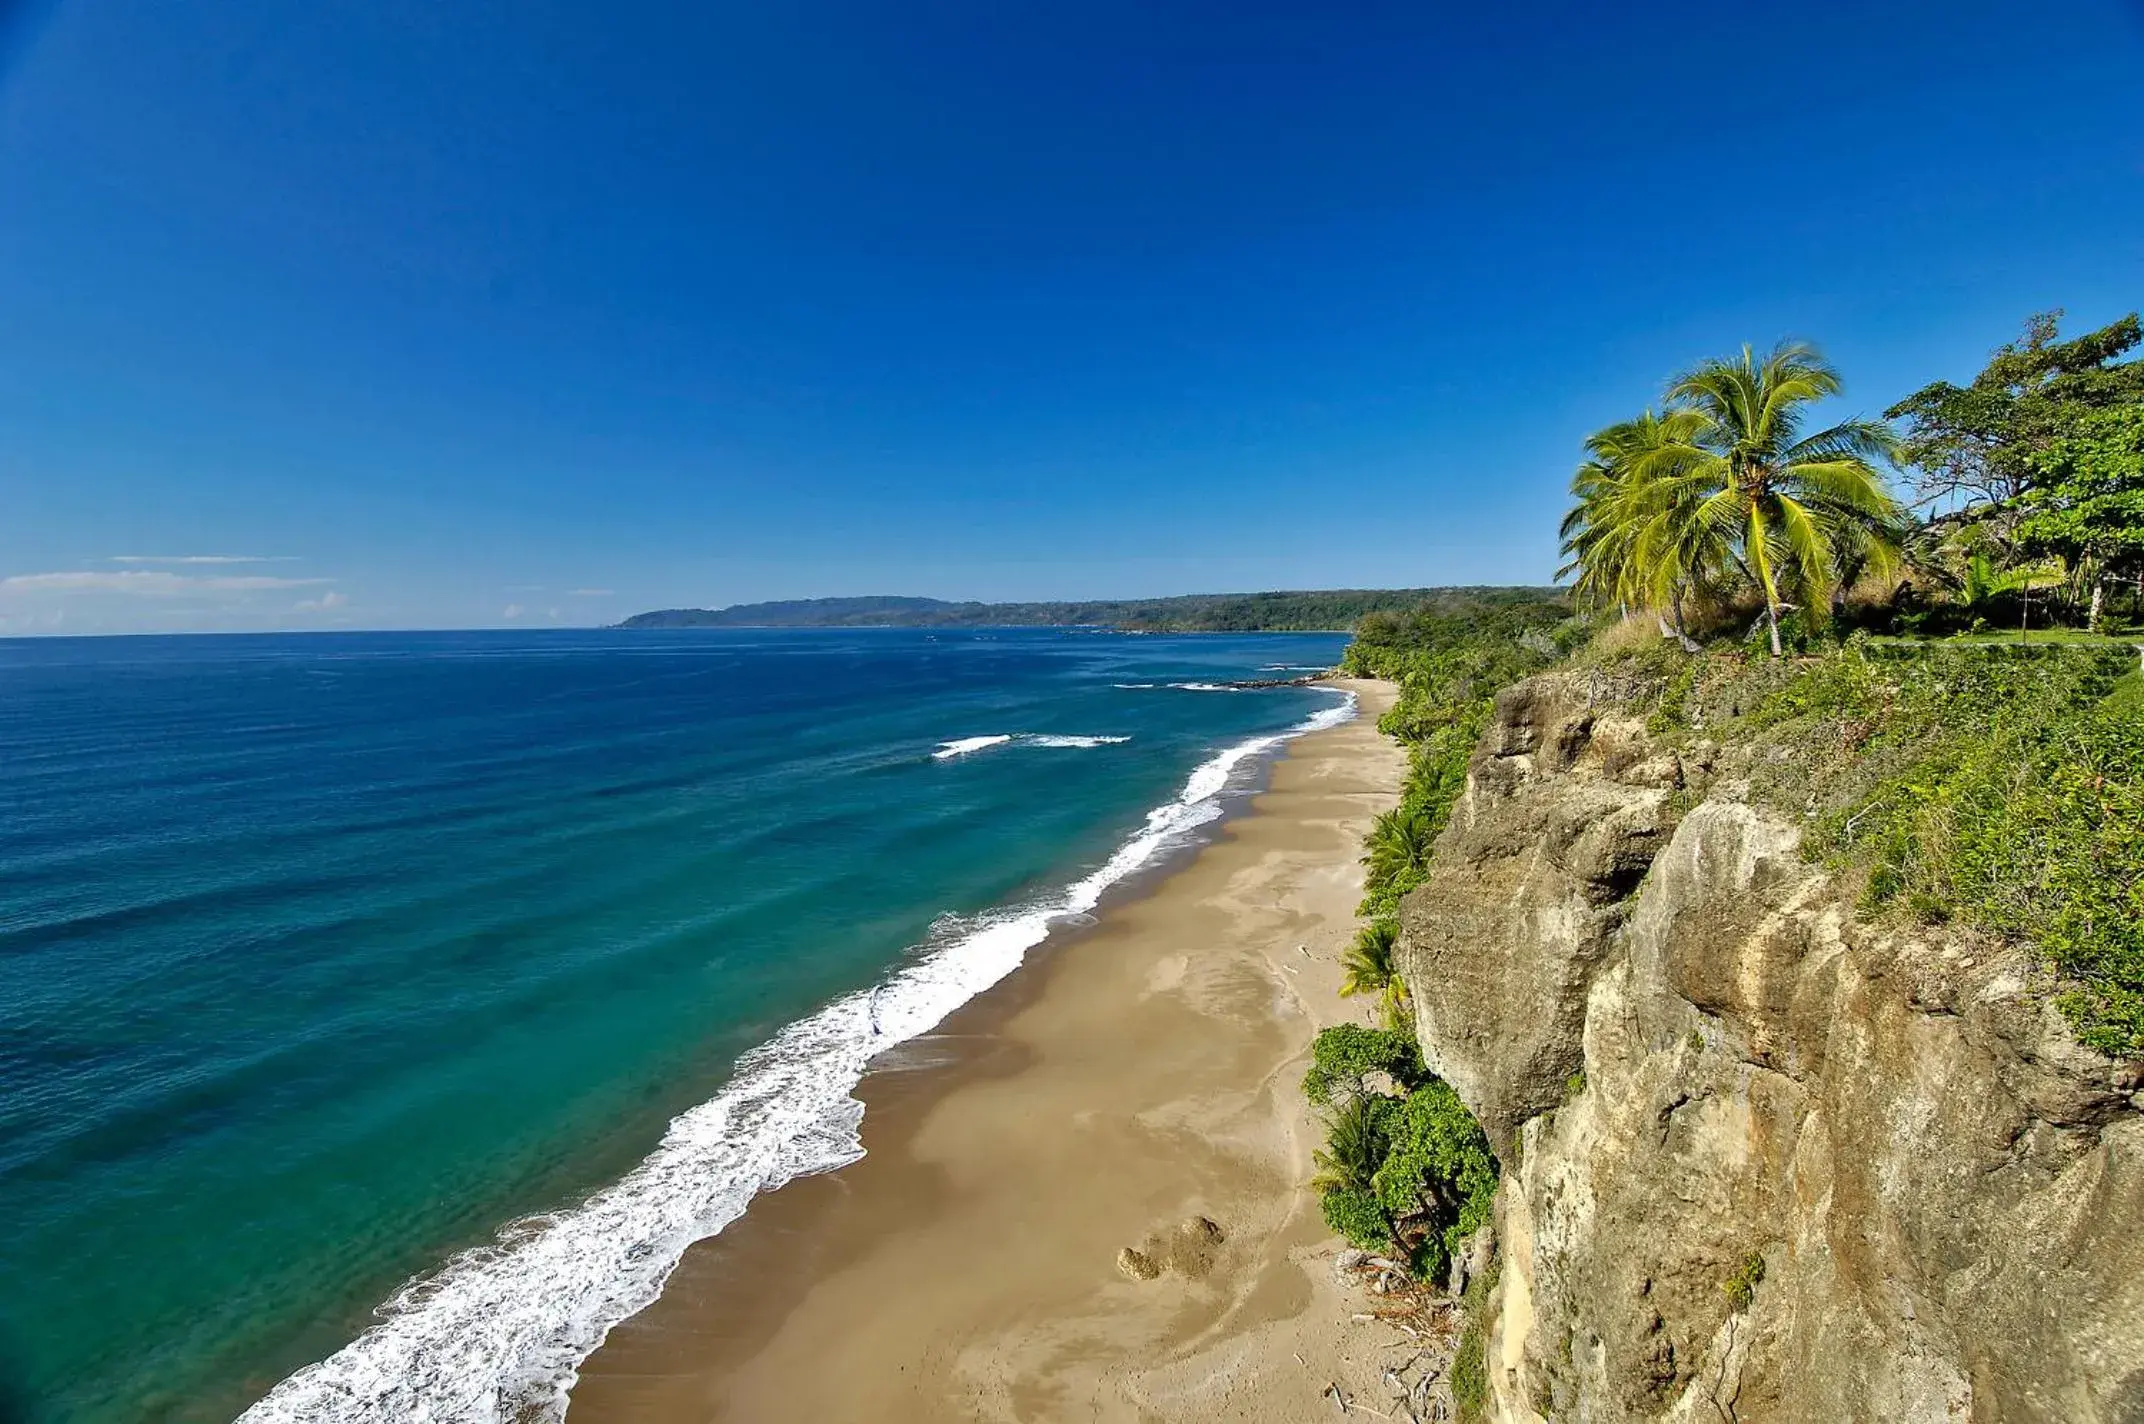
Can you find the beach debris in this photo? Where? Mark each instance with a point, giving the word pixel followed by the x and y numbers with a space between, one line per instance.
pixel 1349 1406
pixel 1137 1264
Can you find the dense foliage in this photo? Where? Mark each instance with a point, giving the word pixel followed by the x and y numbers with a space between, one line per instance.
pixel 1344 1056
pixel 1405 1167
pixel 1976 446
pixel 1312 611
pixel 2035 474
pixel 1719 505
pixel 1994 786
pixel 1726 491
pixel 1448 668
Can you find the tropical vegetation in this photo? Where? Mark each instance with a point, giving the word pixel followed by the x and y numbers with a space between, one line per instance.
pixel 2020 497
pixel 1405 1167
pixel 1924 632
pixel 1300 611
pixel 1726 490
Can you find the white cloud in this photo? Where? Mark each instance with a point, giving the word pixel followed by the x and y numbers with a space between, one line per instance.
pixel 331 599
pixel 590 592
pixel 150 583
pixel 203 558
pixel 513 610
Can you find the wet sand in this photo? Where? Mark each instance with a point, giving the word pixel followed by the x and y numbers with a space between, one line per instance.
pixel 1133 1078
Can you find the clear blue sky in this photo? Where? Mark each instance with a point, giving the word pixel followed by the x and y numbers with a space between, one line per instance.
pixel 444 308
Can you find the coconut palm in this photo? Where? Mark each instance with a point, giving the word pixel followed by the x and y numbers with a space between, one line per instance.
pixel 1357 1139
pixel 1399 844
pixel 1740 482
pixel 1632 537
pixel 1371 965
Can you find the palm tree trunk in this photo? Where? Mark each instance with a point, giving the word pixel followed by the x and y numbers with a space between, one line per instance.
pixel 1764 575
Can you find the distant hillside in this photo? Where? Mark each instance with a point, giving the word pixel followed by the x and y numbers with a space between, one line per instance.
pixel 1318 610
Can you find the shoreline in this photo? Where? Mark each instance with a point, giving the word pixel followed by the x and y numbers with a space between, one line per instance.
pixel 507 1325
pixel 1131 1078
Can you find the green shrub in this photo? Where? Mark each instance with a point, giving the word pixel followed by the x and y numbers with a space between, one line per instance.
pixel 1741 1287
pixel 1448 669
pixel 1988 784
pixel 2046 844
pixel 1355 1215
pixel 1439 1175
pixel 1343 1055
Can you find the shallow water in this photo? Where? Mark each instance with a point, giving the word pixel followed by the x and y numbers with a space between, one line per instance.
pixel 322 957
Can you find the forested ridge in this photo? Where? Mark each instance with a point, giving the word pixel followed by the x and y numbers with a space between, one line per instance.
pixel 1314 610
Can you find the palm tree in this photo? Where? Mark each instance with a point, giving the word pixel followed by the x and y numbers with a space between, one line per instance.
pixel 1356 1144
pixel 1626 539
pixel 1399 843
pixel 1742 482
pixel 1371 966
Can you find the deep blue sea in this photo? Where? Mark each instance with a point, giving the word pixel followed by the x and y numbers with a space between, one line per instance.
pixel 384 1014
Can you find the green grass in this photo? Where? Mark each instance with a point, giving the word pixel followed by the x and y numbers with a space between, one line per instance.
pixel 2036 637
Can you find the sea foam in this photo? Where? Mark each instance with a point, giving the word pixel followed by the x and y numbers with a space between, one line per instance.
pixel 968 746
pixel 498 1333
pixel 965 746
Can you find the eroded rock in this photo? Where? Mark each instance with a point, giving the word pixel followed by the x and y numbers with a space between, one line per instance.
pixel 1945 1192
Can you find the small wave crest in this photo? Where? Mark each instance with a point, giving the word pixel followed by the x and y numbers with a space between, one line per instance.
pixel 965 746
pixel 498 1333
pixel 1204 687
pixel 968 746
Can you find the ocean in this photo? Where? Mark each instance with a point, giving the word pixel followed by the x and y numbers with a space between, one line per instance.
pixel 382 1015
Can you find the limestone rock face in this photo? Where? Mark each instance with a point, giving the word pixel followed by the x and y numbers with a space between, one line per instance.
pixel 1815 1170
pixel 1531 888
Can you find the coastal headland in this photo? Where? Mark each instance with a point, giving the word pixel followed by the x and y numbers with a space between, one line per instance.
pixel 1135 1086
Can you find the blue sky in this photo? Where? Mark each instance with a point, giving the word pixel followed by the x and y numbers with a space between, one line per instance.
pixel 462 312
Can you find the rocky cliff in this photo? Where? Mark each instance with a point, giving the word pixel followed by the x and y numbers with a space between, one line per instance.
pixel 1762 1159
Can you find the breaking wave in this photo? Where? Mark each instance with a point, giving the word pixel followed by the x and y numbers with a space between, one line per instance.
pixel 968 746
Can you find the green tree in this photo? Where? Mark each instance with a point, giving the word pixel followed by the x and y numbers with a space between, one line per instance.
pixel 1748 489
pixel 1438 1177
pixel 1982 444
pixel 2089 505
pixel 1626 544
pixel 1370 966
pixel 1400 844
pixel 1343 1056
pixel 1358 1138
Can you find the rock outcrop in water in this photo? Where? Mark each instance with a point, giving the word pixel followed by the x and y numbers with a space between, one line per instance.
pixel 1763 1160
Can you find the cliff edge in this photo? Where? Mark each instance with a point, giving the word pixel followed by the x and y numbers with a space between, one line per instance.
pixel 1763 1158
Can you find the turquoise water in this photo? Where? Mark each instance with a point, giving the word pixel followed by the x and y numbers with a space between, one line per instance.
pixel 324 957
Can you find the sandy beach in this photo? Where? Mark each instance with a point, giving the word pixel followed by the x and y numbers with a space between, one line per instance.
pixel 1133 1086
